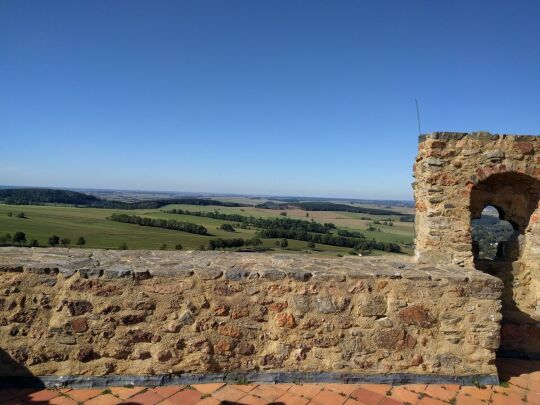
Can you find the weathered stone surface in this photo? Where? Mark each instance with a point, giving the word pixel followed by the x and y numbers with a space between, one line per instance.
pixel 361 321
pixel 417 315
pixel 453 184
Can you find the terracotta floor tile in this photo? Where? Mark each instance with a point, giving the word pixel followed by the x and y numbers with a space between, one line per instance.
pixel 404 395
pixel 520 381
pixel 463 399
pixel 306 390
pixel 533 385
pixel 390 401
pixel 352 401
pixel 533 397
pixel 106 399
pixel 228 393
pixel 479 393
pixel 185 397
pixel 145 398
pixel 40 396
pixel 244 387
pixel 125 392
pixel 62 400
pixel 418 388
pixel 437 391
pixel 291 399
pixel 498 399
pixel 167 390
pixel 346 389
pixel 84 394
pixel 367 397
pixel 326 397
pixel 252 400
pixel 208 388
pixel 209 401
pixel 431 401
pixel 268 392
pixel 382 389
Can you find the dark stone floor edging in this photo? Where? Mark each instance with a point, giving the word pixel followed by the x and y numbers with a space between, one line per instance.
pixel 256 377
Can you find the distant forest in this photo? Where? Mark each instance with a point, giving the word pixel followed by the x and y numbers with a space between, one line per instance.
pixel 39 196
pixel 328 206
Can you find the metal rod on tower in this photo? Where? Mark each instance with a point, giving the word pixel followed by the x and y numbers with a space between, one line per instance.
pixel 418 117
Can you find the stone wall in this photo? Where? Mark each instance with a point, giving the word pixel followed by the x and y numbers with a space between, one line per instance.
pixel 210 315
pixel 457 176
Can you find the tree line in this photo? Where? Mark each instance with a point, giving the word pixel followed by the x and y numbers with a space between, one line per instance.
pixel 263 223
pixel 326 206
pixel 160 223
pixel 329 239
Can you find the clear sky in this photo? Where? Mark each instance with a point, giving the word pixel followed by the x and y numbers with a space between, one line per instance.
pixel 265 97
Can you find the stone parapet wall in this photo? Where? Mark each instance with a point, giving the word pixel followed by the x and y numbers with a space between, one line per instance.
pixel 448 167
pixel 75 312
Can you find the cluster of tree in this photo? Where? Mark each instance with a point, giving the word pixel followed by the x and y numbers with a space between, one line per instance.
pixel 160 223
pixel 18 215
pixel 326 206
pixel 36 196
pixel 406 218
pixel 264 223
pixel 328 239
pixel 227 228
pixel 19 239
pixel 219 243
pixel 488 231
pixel 56 240
pixel 383 222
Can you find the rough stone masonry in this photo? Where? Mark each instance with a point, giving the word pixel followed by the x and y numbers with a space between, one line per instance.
pixel 75 315
pixel 457 176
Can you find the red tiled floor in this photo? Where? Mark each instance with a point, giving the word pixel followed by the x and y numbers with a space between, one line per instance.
pixel 346 389
pixel 438 391
pixel 367 397
pixel 185 397
pixel 62 400
pixel 83 394
pixel 167 390
pixel 329 397
pixel 40 396
pixel 268 392
pixel 404 395
pixel 251 400
pixel 106 399
pixel 125 392
pixel 208 388
pixel 291 399
pixel 306 390
pixel 228 393
pixel 145 398
pixel 244 387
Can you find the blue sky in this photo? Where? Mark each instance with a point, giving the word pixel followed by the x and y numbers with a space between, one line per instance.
pixel 265 97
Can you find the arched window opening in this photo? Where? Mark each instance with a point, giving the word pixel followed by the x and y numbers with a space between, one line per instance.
pixel 492 235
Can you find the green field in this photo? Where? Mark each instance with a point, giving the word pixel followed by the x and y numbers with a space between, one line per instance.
pixel 91 223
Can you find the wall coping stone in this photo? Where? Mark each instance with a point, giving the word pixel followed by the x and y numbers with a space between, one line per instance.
pixel 477 135
pixel 231 266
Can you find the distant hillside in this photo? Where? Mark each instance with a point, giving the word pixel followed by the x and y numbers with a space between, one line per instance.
pixel 31 196
pixel 327 206
pixel 38 196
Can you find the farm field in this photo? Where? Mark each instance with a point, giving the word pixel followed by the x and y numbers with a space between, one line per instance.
pixel 71 222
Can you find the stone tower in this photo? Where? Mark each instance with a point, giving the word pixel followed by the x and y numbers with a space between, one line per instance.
pixel 457 176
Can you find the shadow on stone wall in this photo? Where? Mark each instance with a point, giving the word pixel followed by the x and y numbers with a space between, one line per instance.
pixel 13 373
pixel 520 333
